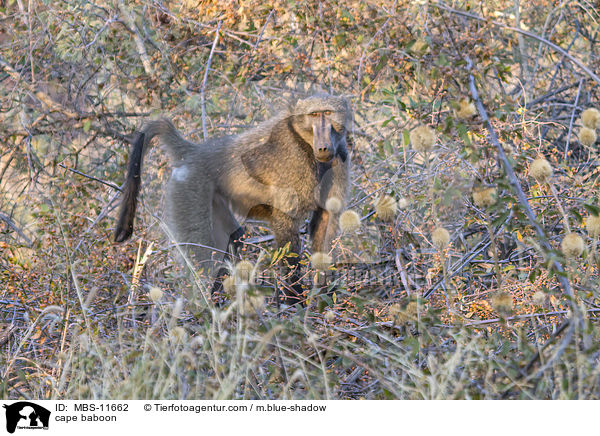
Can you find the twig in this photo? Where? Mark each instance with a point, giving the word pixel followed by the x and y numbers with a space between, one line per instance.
pixel 458 266
pixel 136 36
pixel 566 323
pixel 572 118
pixel 522 54
pixel 364 52
pixel 519 318
pixel 263 30
pixel 13 226
pixel 549 94
pixel 212 50
pixel 523 32
pixel 402 272
pixel 41 96
pixel 91 177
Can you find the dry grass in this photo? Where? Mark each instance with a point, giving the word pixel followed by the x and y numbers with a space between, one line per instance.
pixel 481 315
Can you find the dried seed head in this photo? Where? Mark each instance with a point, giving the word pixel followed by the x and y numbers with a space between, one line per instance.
pixel 320 261
pixel 349 221
pixel 243 272
pixel 540 169
pixel 422 138
pixel 587 136
pixel 155 293
pixel 412 309
pixel 466 109
pixel 178 334
pixel 508 149
pixel 386 208
pixel 333 205
pixel 539 298
pixel 484 197
pixel 503 303
pixel 402 315
pixel 440 238
pixel 254 303
pixel 591 118
pixel 592 225
pixel 329 316
pixel 229 285
pixel 403 203
pixel 572 245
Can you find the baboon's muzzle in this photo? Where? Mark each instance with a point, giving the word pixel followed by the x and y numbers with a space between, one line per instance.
pixel 322 140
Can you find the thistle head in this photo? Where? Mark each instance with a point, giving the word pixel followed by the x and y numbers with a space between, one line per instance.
pixel 541 170
pixel 386 208
pixel 572 245
pixel 423 138
pixel 440 238
pixel 349 221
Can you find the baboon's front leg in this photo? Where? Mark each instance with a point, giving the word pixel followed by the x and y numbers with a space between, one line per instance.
pixel 323 227
pixel 333 185
pixel 321 230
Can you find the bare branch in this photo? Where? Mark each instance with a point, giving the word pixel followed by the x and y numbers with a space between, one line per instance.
pixel 212 50
pixel 13 226
pixel 523 32
pixel 111 185
pixel 136 36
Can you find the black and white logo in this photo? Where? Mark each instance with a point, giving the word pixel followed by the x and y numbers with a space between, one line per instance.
pixel 26 415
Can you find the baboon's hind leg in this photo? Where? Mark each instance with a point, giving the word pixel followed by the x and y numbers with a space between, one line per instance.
pixel 190 220
pixel 227 232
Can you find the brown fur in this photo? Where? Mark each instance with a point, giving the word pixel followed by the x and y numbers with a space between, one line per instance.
pixel 278 172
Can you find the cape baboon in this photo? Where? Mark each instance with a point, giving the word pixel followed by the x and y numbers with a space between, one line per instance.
pixel 278 172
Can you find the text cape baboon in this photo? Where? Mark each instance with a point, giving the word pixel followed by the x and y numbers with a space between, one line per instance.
pixel 278 172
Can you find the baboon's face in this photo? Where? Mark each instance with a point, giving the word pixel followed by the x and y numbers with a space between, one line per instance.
pixel 321 122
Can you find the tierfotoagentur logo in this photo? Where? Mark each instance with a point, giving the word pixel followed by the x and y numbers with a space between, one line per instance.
pixel 26 415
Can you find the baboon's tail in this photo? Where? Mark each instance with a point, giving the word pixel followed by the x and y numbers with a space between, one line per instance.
pixel 177 147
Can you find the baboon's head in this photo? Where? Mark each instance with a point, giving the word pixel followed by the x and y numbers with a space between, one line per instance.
pixel 322 121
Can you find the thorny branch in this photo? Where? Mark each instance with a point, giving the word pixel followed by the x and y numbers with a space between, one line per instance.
pixel 572 322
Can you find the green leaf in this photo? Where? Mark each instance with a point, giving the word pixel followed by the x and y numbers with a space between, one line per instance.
pixel 463 132
pixel 593 209
pixel 406 136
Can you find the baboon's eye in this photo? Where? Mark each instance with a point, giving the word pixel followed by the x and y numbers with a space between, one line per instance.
pixel 327 112
pixel 314 114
